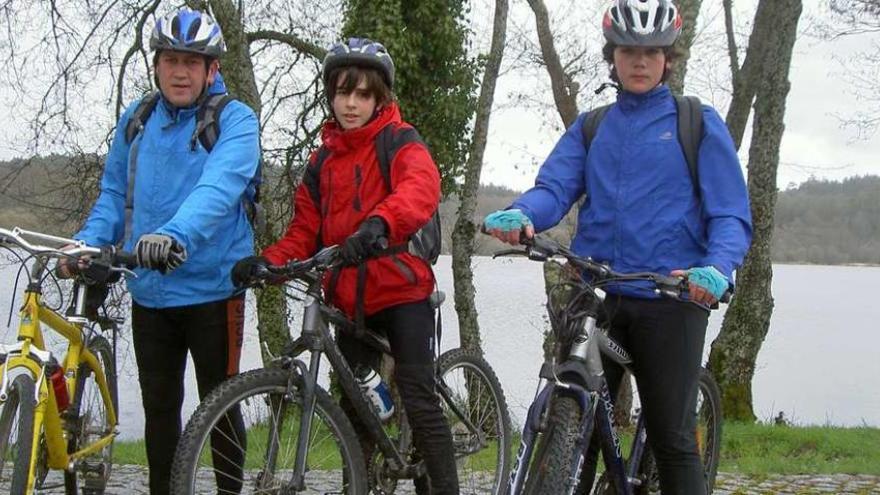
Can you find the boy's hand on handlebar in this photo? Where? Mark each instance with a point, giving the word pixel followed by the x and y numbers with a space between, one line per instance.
pixel 244 269
pixel 508 226
pixel 706 284
pixel 369 239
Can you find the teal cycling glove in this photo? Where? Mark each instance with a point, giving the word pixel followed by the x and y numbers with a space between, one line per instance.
pixel 709 278
pixel 506 220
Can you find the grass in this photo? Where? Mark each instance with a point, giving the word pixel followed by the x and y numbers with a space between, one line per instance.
pixel 750 449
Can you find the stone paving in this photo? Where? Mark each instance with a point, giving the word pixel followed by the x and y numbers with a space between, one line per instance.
pixel 132 480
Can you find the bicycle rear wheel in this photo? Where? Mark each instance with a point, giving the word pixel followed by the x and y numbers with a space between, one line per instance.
pixel 550 470
pixel 88 422
pixel 252 423
pixel 17 434
pixel 708 432
pixel 472 394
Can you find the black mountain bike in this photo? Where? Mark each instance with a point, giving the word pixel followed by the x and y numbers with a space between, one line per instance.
pixel 573 396
pixel 298 440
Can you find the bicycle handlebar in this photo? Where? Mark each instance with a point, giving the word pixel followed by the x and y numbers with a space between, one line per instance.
pixel 542 248
pixel 116 259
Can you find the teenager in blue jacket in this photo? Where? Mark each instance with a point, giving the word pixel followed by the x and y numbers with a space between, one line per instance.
pixel 642 212
pixel 188 227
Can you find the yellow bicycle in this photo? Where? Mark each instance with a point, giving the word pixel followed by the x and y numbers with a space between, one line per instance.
pixel 59 414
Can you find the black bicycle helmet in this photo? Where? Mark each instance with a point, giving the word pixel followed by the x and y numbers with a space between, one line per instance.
pixel 655 23
pixel 361 52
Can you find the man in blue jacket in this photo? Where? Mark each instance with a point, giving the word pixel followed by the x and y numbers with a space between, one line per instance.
pixel 187 227
pixel 643 212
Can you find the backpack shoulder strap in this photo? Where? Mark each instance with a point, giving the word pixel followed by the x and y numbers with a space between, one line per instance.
pixel 208 121
pixel 388 142
pixel 591 123
pixel 312 176
pixel 690 133
pixel 139 117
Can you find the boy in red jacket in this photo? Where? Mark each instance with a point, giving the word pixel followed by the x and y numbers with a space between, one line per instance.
pixel 356 210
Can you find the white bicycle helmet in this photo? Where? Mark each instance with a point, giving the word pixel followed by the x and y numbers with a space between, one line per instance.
pixel 655 23
pixel 188 30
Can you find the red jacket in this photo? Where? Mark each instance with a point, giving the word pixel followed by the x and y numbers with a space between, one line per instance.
pixel 352 171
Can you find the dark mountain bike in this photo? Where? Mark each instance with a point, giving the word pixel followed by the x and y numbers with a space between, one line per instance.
pixel 298 439
pixel 573 396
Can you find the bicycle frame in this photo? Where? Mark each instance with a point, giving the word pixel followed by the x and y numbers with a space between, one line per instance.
pixel 581 375
pixel 28 354
pixel 317 339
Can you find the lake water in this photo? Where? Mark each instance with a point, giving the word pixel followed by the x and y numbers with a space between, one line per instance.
pixel 820 363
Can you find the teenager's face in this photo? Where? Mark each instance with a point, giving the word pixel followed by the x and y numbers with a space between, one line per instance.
pixel 639 68
pixel 182 76
pixel 355 108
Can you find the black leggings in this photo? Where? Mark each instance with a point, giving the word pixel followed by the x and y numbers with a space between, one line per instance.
pixel 410 331
pixel 665 340
pixel 212 333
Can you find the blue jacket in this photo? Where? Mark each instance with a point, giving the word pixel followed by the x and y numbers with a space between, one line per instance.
pixel 641 212
pixel 193 196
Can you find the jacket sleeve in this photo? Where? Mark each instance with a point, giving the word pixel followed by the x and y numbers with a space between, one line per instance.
pixel 106 222
pixel 415 193
pixel 725 197
pixel 301 239
pixel 560 181
pixel 227 172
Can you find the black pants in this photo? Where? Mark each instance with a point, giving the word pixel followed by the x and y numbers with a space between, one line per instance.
pixel 410 331
pixel 665 340
pixel 212 333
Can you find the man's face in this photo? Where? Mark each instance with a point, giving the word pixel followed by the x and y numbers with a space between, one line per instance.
pixel 182 76
pixel 639 69
pixel 355 108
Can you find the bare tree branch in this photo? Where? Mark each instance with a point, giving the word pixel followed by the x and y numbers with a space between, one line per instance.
pixel 564 91
pixel 291 40
pixel 731 39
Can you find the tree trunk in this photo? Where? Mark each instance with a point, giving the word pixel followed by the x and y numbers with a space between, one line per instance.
pixel 746 79
pixel 690 10
pixel 735 351
pixel 239 76
pixel 465 229
pixel 564 89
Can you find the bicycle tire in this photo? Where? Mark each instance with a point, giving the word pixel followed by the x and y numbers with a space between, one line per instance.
pixel 18 410
pixel 477 392
pixel 192 470
pixel 86 402
pixel 550 470
pixel 709 431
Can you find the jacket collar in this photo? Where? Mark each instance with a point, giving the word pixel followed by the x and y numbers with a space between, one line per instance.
pixel 339 140
pixel 633 101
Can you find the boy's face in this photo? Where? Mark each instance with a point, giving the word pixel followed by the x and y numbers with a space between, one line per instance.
pixel 640 69
pixel 182 76
pixel 355 108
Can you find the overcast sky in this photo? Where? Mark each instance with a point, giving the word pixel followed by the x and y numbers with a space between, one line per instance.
pixel 813 144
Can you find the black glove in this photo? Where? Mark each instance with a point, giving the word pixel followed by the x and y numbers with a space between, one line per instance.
pixel 159 252
pixel 244 269
pixel 369 239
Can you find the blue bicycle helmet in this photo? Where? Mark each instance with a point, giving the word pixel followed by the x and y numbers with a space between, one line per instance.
pixel 655 23
pixel 188 31
pixel 361 52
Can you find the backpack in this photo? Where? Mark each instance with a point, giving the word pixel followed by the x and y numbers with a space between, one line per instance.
pixel 690 131
pixel 425 243
pixel 207 132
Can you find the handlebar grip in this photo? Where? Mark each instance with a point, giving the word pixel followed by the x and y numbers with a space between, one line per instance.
pixel 129 260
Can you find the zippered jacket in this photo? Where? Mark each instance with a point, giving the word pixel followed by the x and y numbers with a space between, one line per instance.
pixel 352 190
pixel 641 211
pixel 189 194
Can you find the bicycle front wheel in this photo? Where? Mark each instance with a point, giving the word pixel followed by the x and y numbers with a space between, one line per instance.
pixel 88 422
pixel 17 433
pixel 708 433
pixel 242 439
pixel 551 469
pixel 477 413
